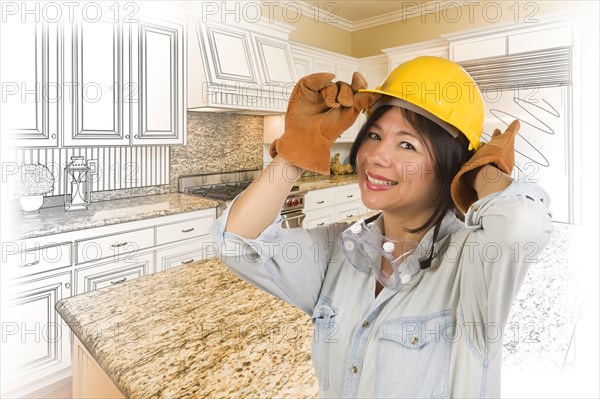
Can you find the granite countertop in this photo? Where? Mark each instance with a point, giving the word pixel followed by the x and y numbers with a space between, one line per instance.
pixel 55 220
pixel 319 182
pixel 195 331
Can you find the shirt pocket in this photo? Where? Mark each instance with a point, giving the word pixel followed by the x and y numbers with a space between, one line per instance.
pixel 325 329
pixel 413 357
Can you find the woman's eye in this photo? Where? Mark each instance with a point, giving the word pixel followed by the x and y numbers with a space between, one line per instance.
pixel 373 136
pixel 407 146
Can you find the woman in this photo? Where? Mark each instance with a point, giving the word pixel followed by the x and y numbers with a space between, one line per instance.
pixel 412 302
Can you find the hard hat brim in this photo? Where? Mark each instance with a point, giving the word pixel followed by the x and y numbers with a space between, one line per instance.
pixel 386 99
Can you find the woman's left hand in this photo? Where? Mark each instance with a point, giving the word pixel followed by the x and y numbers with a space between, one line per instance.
pixel 500 152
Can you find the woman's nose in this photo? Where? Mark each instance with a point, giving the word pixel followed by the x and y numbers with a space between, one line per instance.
pixel 380 155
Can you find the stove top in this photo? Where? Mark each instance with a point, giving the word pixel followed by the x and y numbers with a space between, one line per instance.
pixel 220 192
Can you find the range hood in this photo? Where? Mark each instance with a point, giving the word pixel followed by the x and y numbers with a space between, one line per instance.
pixel 239 66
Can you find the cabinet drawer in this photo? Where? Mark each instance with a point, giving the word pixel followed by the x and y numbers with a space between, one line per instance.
pixel 182 254
pixel 319 199
pixel 114 245
pixel 349 210
pixel 183 230
pixel 25 260
pixel 347 194
pixel 110 273
pixel 319 217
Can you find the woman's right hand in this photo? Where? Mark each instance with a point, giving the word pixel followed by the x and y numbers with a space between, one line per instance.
pixel 319 111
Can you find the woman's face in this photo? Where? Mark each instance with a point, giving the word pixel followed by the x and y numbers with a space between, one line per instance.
pixel 394 167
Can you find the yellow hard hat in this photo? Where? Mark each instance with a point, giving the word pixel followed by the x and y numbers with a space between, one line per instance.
pixel 440 90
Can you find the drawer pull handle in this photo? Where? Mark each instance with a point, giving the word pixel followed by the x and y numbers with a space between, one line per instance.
pixel 320 202
pixel 187 230
pixel 320 224
pixel 350 196
pixel 29 264
pixel 119 281
pixel 119 245
pixel 185 262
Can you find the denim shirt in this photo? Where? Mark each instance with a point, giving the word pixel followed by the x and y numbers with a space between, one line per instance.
pixel 440 334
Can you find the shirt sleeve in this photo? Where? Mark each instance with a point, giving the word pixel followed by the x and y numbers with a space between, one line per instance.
pixel 509 230
pixel 287 263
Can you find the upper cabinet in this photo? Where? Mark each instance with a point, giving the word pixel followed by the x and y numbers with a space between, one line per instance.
pixel 158 91
pixel 102 81
pixel 96 63
pixel 239 66
pixel 128 82
pixel 30 73
pixel 508 40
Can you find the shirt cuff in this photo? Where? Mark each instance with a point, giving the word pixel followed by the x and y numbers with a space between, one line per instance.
pixel 516 188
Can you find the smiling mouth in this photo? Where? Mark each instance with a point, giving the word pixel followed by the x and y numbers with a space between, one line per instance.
pixel 380 182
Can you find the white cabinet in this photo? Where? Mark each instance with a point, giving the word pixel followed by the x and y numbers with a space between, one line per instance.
pixel 131 88
pixel 96 112
pixel 30 72
pixel 179 231
pixel 508 40
pixel 181 254
pixel 330 205
pixel 374 69
pixel 113 244
pixel 35 340
pixel 38 272
pixel 158 98
pixel 114 271
pixel 94 82
pixel 239 66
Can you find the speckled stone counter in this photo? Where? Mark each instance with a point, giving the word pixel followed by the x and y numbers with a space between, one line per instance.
pixel 56 220
pixel 319 182
pixel 195 331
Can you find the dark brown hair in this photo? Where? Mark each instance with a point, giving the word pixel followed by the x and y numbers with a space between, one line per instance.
pixel 448 155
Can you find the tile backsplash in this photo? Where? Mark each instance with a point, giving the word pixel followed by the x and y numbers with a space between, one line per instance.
pixel 216 142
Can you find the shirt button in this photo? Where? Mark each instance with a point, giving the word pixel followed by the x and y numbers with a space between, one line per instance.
pixel 354 369
pixel 405 279
pixel 414 340
pixel 475 207
pixel 365 324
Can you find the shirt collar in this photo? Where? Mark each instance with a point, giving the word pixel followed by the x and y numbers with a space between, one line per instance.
pixel 449 225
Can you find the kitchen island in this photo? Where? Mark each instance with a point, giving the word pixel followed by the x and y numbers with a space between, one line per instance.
pixel 194 331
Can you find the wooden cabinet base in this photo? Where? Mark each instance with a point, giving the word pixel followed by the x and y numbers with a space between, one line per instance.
pixel 89 380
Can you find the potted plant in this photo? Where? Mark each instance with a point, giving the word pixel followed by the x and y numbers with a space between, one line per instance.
pixel 31 183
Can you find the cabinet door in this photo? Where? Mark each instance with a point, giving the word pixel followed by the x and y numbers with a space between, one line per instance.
pixel 303 64
pixel 324 65
pixel 230 50
pixel 276 63
pixel 30 67
pixel 129 267
pixel 35 340
pixel 159 67
pixel 96 65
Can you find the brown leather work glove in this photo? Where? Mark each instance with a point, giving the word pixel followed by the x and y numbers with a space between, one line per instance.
pixel 318 112
pixel 500 151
